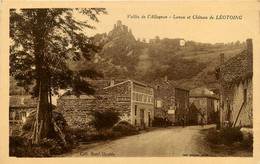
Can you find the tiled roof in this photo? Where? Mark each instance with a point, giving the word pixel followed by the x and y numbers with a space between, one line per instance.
pixel 237 68
pixel 89 97
pixel 133 81
pixel 22 101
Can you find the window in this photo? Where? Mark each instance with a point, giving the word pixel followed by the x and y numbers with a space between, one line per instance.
pixel 140 97
pixel 135 110
pixel 17 116
pixel 159 103
pixel 23 114
pixel 245 95
pixel 135 121
pixel 145 98
pixel 22 101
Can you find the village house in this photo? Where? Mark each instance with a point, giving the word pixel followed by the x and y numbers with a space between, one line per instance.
pixel 236 88
pixel 20 107
pixel 203 109
pixel 131 99
pixel 171 101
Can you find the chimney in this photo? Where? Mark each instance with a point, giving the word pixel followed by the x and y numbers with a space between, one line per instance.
pixel 221 59
pixel 249 46
pixel 250 52
pixel 112 82
pixel 166 79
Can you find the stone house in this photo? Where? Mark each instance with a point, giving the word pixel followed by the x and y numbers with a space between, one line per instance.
pixel 131 99
pixel 207 108
pixel 171 101
pixel 236 88
pixel 20 107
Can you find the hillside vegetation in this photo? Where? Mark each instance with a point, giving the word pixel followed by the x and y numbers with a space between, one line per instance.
pixel 191 65
pixel 122 56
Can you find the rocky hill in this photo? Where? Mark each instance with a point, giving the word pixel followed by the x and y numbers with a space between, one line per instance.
pixel 189 63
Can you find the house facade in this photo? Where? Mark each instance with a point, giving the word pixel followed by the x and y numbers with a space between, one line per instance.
pixel 236 89
pixel 206 107
pixel 131 99
pixel 170 101
pixel 20 107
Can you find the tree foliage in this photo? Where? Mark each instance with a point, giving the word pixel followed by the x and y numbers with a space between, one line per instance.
pixel 43 40
pixel 59 36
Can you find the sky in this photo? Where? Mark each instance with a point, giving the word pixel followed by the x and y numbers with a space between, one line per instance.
pixel 200 30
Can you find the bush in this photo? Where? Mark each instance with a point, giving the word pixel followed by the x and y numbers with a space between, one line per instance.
pixel 123 128
pixel 22 147
pixel 231 135
pixel 104 119
pixel 226 136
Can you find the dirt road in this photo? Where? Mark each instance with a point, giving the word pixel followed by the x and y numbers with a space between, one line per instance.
pixel 168 142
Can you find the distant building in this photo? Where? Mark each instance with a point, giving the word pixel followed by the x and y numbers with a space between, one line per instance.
pixel 171 101
pixel 182 42
pixel 131 99
pixel 20 107
pixel 236 88
pixel 206 106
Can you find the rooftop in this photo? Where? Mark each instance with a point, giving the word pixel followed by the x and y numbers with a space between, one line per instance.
pixel 239 67
pixel 23 101
pixel 131 81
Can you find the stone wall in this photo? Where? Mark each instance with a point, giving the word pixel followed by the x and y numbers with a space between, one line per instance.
pixel 77 111
pixel 182 105
pixel 166 93
pixel 210 110
pixel 234 96
pixel 119 98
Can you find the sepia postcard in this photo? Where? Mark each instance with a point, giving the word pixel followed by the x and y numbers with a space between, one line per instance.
pixel 132 81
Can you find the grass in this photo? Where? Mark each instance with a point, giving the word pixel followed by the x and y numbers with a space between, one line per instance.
pixel 229 142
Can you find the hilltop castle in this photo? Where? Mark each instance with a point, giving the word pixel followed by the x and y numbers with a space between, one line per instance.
pixel 119 29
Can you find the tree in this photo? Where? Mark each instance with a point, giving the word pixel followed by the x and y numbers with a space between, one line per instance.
pixel 43 40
